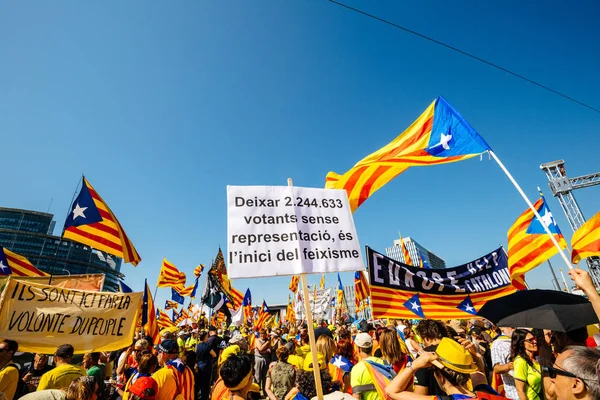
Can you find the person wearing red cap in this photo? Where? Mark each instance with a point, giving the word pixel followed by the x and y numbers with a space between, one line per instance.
pixel 144 388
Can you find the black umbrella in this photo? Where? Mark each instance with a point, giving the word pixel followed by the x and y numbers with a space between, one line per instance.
pixel 546 309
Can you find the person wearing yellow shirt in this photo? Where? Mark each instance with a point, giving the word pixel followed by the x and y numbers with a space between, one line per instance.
pixel 175 380
pixel 9 373
pixel 64 373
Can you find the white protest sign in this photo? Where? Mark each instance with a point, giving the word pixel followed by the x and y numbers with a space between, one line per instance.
pixel 289 230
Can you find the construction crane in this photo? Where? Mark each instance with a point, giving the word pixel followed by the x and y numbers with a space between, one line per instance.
pixel 562 188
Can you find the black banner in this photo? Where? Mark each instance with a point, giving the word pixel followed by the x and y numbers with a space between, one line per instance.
pixel 484 274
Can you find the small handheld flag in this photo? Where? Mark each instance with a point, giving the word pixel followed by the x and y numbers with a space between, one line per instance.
pixel 170 276
pixel 294 284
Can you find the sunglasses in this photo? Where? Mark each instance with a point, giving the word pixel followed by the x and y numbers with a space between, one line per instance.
pixel 531 341
pixel 553 372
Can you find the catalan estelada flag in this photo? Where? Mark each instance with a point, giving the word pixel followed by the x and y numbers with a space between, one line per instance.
pixel 439 136
pixel 238 299
pixel 17 265
pixel 361 286
pixel 91 222
pixel 171 304
pixel 528 243
pixel 263 315
pixel 170 276
pixel 586 240
pixel 163 320
pixel 149 322
pixel 185 291
pixel 294 284
pixel 247 304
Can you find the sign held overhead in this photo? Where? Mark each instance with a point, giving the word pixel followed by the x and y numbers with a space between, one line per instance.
pixel 289 230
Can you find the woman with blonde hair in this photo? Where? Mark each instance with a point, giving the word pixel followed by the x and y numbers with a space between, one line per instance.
pixel 83 388
pixel 326 346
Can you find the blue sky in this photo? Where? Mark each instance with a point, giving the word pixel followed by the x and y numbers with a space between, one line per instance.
pixel 162 105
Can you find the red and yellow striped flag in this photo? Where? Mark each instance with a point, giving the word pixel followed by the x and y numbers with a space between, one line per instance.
pixel 185 291
pixel 528 243
pixel 92 222
pixel 149 322
pixel 164 321
pixel 294 284
pixel 405 254
pixel 361 286
pixel 16 264
pixel 169 304
pixel 290 314
pixel 439 136
pixel 169 276
pixel 322 282
pixel 198 270
pixel 586 240
pixel 238 299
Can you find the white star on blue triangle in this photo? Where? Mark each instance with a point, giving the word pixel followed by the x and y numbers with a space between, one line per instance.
pixel 414 305
pixel 467 306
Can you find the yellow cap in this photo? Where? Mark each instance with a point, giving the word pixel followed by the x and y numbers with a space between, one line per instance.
pixel 308 361
pixel 228 352
pixel 455 357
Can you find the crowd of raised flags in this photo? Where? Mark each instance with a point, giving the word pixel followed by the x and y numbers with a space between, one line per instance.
pixel 440 135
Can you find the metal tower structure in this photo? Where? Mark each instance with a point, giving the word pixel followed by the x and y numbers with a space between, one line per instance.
pixel 562 188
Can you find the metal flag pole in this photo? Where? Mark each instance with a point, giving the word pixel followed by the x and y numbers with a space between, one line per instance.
pixel 564 281
pixel 55 258
pixel 554 281
pixel 537 215
pixel 311 332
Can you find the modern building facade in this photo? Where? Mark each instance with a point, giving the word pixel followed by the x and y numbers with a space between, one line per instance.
pixel 416 252
pixel 30 234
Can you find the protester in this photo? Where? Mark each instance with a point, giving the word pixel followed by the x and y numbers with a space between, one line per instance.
pixel 174 378
pixel 305 386
pixel 128 362
pixel 144 388
pixel 501 362
pixel 362 377
pixel 148 363
pixel 413 346
pixel 527 371
pixel 93 368
pixel 204 357
pixel 83 388
pixel 236 373
pixel 281 376
pixel 452 375
pixel 262 357
pixel 32 374
pixel 213 343
pixel 326 346
pixel 9 372
pixel 63 373
pixel 431 332
pixel 574 375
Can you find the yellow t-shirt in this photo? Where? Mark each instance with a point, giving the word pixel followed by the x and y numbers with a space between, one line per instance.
pixel 9 378
pixel 360 376
pixel 60 377
pixel 531 375
pixel 167 385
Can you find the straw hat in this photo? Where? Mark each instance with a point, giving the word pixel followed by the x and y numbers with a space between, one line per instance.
pixel 455 357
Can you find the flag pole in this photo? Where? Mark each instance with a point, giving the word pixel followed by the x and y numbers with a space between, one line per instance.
pixel 311 332
pixel 537 215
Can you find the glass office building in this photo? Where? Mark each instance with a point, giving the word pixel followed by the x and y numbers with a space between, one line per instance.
pixel 30 234
pixel 416 251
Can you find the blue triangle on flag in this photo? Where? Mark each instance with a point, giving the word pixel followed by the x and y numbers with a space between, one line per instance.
pixel 414 305
pixel 124 287
pixel 467 306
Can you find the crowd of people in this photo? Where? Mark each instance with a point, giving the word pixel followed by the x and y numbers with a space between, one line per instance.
pixel 381 359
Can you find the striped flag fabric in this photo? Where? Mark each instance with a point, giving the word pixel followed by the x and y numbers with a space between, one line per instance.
pixel 263 315
pixel 586 240
pixel 528 243
pixel 439 136
pixel 163 320
pixel 290 314
pixel 169 304
pixel 340 293
pixel 170 276
pixel 198 270
pixel 91 222
pixel 294 284
pixel 185 291
pixel 361 286
pixel 238 299
pixel 149 323
pixel 322 282
pixel 17 265
pixel 247 304
pixel 405 254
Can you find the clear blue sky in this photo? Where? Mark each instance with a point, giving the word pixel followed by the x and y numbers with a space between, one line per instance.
pixel 162 105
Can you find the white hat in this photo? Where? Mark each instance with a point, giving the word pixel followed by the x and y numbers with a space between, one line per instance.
pixel 181 333
pixel 363 339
